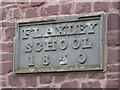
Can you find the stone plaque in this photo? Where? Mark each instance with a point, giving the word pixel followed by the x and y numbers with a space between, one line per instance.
pixel 73 43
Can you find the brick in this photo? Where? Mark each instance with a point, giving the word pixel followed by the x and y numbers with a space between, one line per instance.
pixel 24 6
pixel 22 1
pixel 31 13
pixel 83 7
pixel 16 13
pixel 112 68
pixel 9 33
pixel 112 39
pixel 59 78
pixel 77 75
pixel 66 8
pixel 49 10
pixel 7 47
pixel 7 24
pixel 95 84
pixel 116 5
pixel 45 79
pixel 101 6
pixel 6 56
pixel 35 4
pixel 113 20
pixel 112 76
pixel 6 67
pixel 112 84
pixel 30 80
pixel 12 6
pixel 14 80
pixel 3 14
pixel 3 81
pixel 44 87
pixel 112 56
pixel 73 84
pixel 7 2
pixel 96 75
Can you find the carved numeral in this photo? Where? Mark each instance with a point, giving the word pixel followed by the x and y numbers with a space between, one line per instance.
pixel 46 60
pixel 63 60
pixel 28 48
pixel 31 61
pixel 82 58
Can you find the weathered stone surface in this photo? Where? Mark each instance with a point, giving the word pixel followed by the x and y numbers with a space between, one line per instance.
pixel 49 10
pixel 45 79
pixel 14 80
pixel 101 6
pixel 30 80
pixel 66 8
pixel 73 84
pixel 95 84
pixel 83 7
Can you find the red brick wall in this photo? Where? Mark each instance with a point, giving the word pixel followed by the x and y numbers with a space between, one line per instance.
pixel 12 12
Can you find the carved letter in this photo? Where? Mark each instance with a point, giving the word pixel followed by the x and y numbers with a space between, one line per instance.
pixel 38 46
pixel 85 44
pixel 91 27
pixel 60 30
pixel 82 58
pixel 50 45
pixel 71 29
pixel 26 32
pixel 50 32
pixel 63 44
pixel 36 33
pixel 75 44
pixel 28 48
pixel 81 29
pixel 46 60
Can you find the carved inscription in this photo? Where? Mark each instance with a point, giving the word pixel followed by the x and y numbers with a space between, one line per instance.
pixel 53 45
